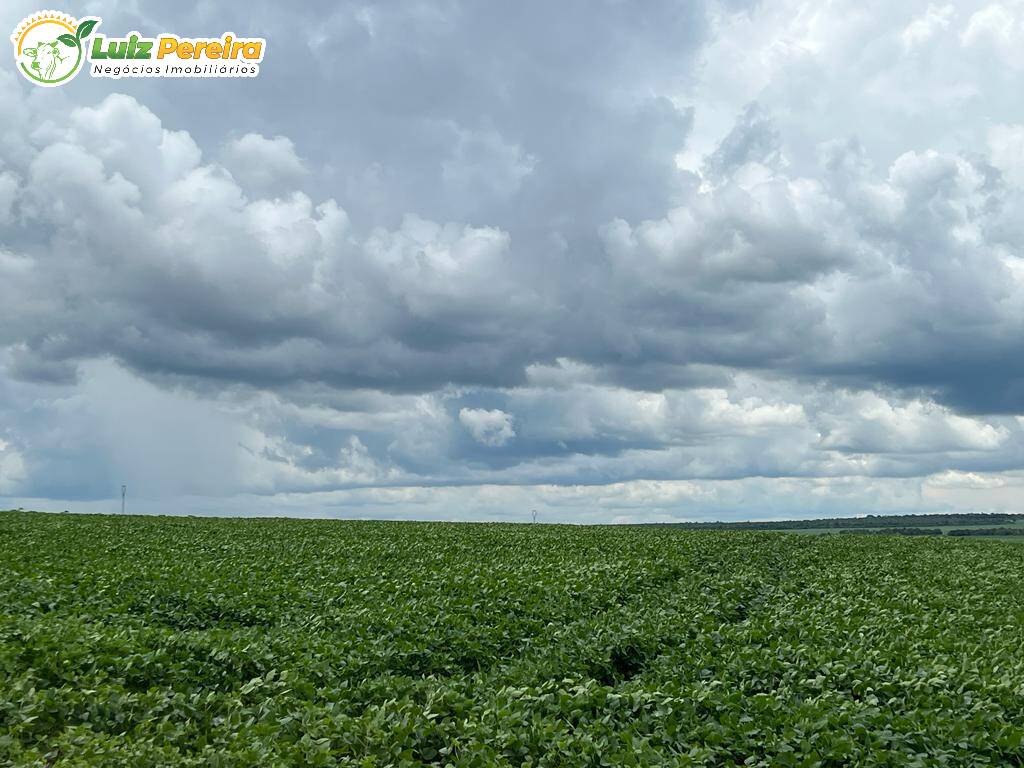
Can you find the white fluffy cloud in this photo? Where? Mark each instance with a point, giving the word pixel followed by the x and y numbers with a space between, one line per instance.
pixel 488 427
pixel 263 165
pixel 872 424
pixel 12 468
pixel 935 19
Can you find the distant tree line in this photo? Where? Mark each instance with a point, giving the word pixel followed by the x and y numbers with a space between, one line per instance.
pixel 899 532
pixel 868 521
pixel 975 531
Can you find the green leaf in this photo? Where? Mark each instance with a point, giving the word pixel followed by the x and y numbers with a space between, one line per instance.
pixel 85 28
pixel 68 40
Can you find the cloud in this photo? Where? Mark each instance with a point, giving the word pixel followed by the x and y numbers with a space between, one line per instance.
pixel 492 428
pixel 997 28
pixel 753 139
pixel 263 165
pixel 483 164
pixel 1006 145
pixel 935 19
pixel 8 194
pixel 12 468
pixel 871 424
pixel 602 255
pixel 953 479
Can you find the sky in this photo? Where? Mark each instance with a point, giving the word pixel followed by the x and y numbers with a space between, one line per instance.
pixel 610 261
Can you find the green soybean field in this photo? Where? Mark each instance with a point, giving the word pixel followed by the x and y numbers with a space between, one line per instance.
pixel 178 641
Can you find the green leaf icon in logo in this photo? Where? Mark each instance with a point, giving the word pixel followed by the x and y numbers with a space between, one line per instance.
pixel 68 40
pixel 85 28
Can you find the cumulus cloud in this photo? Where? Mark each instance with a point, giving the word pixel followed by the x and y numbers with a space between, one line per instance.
pixel 483 164
pixel 491 427
pixel 1006 147
pixel 12 468
pixel 8 193
pixel 872 424
pixel 262 165
pixel 934 20
pixel 997 28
